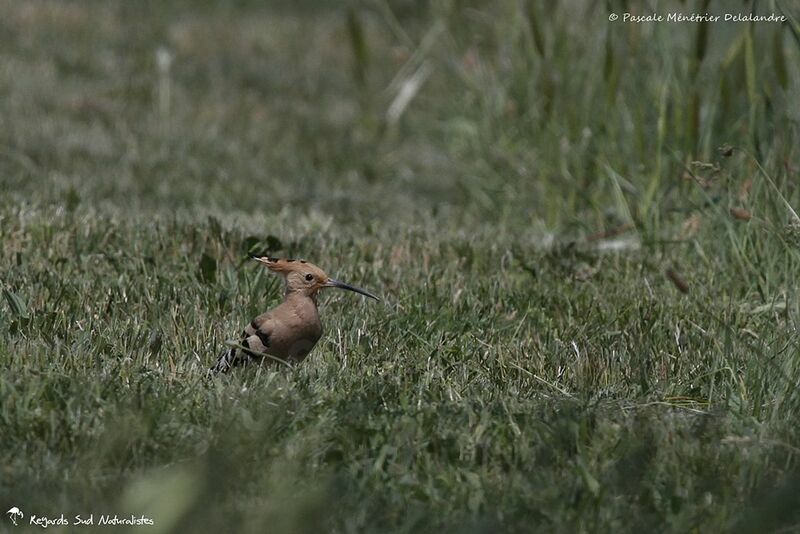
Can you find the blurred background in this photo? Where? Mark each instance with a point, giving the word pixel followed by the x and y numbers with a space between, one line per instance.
pixel 509 112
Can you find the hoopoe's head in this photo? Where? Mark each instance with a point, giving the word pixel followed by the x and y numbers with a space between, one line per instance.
pixel 306 278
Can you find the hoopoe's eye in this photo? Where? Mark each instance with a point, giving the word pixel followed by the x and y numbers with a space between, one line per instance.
pixel 309 277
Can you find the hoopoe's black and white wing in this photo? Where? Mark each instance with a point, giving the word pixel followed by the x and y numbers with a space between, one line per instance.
pixel 253 344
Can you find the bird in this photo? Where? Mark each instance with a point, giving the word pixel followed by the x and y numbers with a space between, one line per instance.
pixel 289 331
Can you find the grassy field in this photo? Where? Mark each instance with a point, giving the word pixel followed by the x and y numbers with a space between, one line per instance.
pixel 584 233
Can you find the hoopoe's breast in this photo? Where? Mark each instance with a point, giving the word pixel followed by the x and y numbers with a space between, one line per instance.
pixel 295 343
pixel 288 332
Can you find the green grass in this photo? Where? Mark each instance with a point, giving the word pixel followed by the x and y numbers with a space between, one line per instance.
pixel 581 329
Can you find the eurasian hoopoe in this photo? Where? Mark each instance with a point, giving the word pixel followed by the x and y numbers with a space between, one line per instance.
pixel 291 330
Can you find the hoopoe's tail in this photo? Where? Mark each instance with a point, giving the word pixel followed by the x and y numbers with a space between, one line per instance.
pixel 224 362
pixel 228 359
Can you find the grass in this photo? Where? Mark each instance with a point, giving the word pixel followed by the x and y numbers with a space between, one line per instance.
pixel 584 234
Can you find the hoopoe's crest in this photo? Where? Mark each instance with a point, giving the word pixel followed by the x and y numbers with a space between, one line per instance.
pixel 291 330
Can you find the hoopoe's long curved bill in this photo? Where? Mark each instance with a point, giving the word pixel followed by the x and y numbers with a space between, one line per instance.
pixel 341 285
